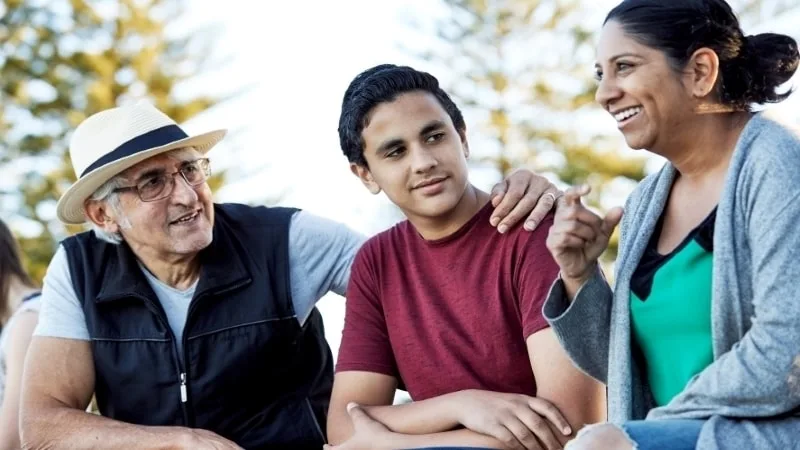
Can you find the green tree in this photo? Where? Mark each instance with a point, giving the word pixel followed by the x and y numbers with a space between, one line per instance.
pixel 526 66
pixel 63 60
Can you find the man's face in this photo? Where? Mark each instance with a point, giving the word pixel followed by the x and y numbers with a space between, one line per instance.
pixel 178 225
pixel 415 155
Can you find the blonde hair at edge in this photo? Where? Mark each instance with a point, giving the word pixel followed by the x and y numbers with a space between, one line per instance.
pixel 107 193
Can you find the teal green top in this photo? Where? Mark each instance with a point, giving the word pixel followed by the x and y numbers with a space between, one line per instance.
pixel 671 311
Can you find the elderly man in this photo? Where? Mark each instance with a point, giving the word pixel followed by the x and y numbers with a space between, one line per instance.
pixel 193 323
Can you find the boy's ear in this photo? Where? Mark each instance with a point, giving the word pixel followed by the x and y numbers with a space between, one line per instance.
pixel 363 174
pixel 462 134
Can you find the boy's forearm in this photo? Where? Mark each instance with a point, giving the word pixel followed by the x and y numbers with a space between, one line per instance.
pixel 433 415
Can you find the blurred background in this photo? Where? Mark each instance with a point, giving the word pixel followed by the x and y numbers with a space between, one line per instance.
pixel 274 74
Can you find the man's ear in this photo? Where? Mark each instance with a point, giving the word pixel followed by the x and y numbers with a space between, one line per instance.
pixel 98 214
pixel 703 68
pixel 363 174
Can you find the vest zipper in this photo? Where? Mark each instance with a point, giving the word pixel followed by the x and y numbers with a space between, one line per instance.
pixel 184 365
pixel 182 372
pixel 183 388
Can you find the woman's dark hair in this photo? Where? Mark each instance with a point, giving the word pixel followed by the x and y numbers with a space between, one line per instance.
pixel 381 84
pixel 10 268
pixel 751 67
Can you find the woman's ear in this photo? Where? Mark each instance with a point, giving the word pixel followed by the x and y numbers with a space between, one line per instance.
pixel 703 68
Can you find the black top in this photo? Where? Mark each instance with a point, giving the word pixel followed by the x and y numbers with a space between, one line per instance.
pixel 652 260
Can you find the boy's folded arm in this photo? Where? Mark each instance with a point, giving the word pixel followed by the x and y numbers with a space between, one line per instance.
pixel 375 392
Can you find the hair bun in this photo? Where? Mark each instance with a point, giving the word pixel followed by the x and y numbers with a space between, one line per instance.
pixel 766 62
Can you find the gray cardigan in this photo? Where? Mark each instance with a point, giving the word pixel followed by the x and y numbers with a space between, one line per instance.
pixel 751 392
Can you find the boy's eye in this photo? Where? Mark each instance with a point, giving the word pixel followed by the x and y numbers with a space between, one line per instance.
pixel 395 153
pixel 435 138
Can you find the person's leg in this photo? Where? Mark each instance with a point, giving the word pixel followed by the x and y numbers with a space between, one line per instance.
pixel 664 434
pixel 640 435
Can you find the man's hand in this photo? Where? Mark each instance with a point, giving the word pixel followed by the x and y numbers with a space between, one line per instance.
pixel 521 194
pixel 198 439
pixel 518 421
pixel 368 433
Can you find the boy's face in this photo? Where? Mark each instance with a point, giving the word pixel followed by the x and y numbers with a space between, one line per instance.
pixel 415 155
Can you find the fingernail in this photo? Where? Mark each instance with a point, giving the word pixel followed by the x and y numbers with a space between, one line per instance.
pixel 530 225
pixel 494 221
pixel 351 405
pixel 567 430
pixel 502 228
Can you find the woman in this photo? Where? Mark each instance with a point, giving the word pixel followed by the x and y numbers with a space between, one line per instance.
pixel 18 295
pixel 702 326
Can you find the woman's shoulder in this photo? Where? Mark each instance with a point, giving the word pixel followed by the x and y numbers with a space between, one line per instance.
pixel 28 308
pixel 32 303
pixel 769 140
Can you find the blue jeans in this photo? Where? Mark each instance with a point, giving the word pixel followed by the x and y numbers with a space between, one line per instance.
pixel 664 434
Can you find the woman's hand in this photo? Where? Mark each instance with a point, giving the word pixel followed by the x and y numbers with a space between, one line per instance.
pixel 578 236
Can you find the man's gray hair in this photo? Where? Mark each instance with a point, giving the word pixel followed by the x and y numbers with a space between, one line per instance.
pixel 107 192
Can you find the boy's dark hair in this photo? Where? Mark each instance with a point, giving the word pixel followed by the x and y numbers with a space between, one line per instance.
pixel 751 67
pixel 381 84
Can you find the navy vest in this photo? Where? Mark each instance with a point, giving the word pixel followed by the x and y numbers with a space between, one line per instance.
pixel 250 372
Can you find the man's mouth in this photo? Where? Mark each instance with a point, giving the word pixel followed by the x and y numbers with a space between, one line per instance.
pixel 188 218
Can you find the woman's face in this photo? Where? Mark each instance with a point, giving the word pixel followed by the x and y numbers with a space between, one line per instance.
pixel 638 87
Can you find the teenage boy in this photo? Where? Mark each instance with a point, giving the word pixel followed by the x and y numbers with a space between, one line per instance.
pixel 441 303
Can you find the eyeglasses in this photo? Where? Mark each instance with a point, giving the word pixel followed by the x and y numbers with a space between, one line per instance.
pixel 159 187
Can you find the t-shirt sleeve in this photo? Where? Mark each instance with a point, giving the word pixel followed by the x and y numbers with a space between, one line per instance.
pixel 536 270
pixel 321 252
pixel 365 342
pixel 61 314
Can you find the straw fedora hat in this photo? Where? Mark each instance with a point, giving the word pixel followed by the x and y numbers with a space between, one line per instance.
pixel 107 143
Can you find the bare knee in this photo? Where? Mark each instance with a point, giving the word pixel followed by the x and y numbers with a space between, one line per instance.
pixel 604 436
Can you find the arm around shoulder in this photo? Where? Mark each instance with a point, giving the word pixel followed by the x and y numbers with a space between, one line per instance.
pixel 322 250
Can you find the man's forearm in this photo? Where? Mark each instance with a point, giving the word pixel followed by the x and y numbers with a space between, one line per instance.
pixel 424 417
pixel 64 427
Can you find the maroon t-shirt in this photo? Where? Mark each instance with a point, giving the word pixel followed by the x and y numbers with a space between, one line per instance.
pixel 448 314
